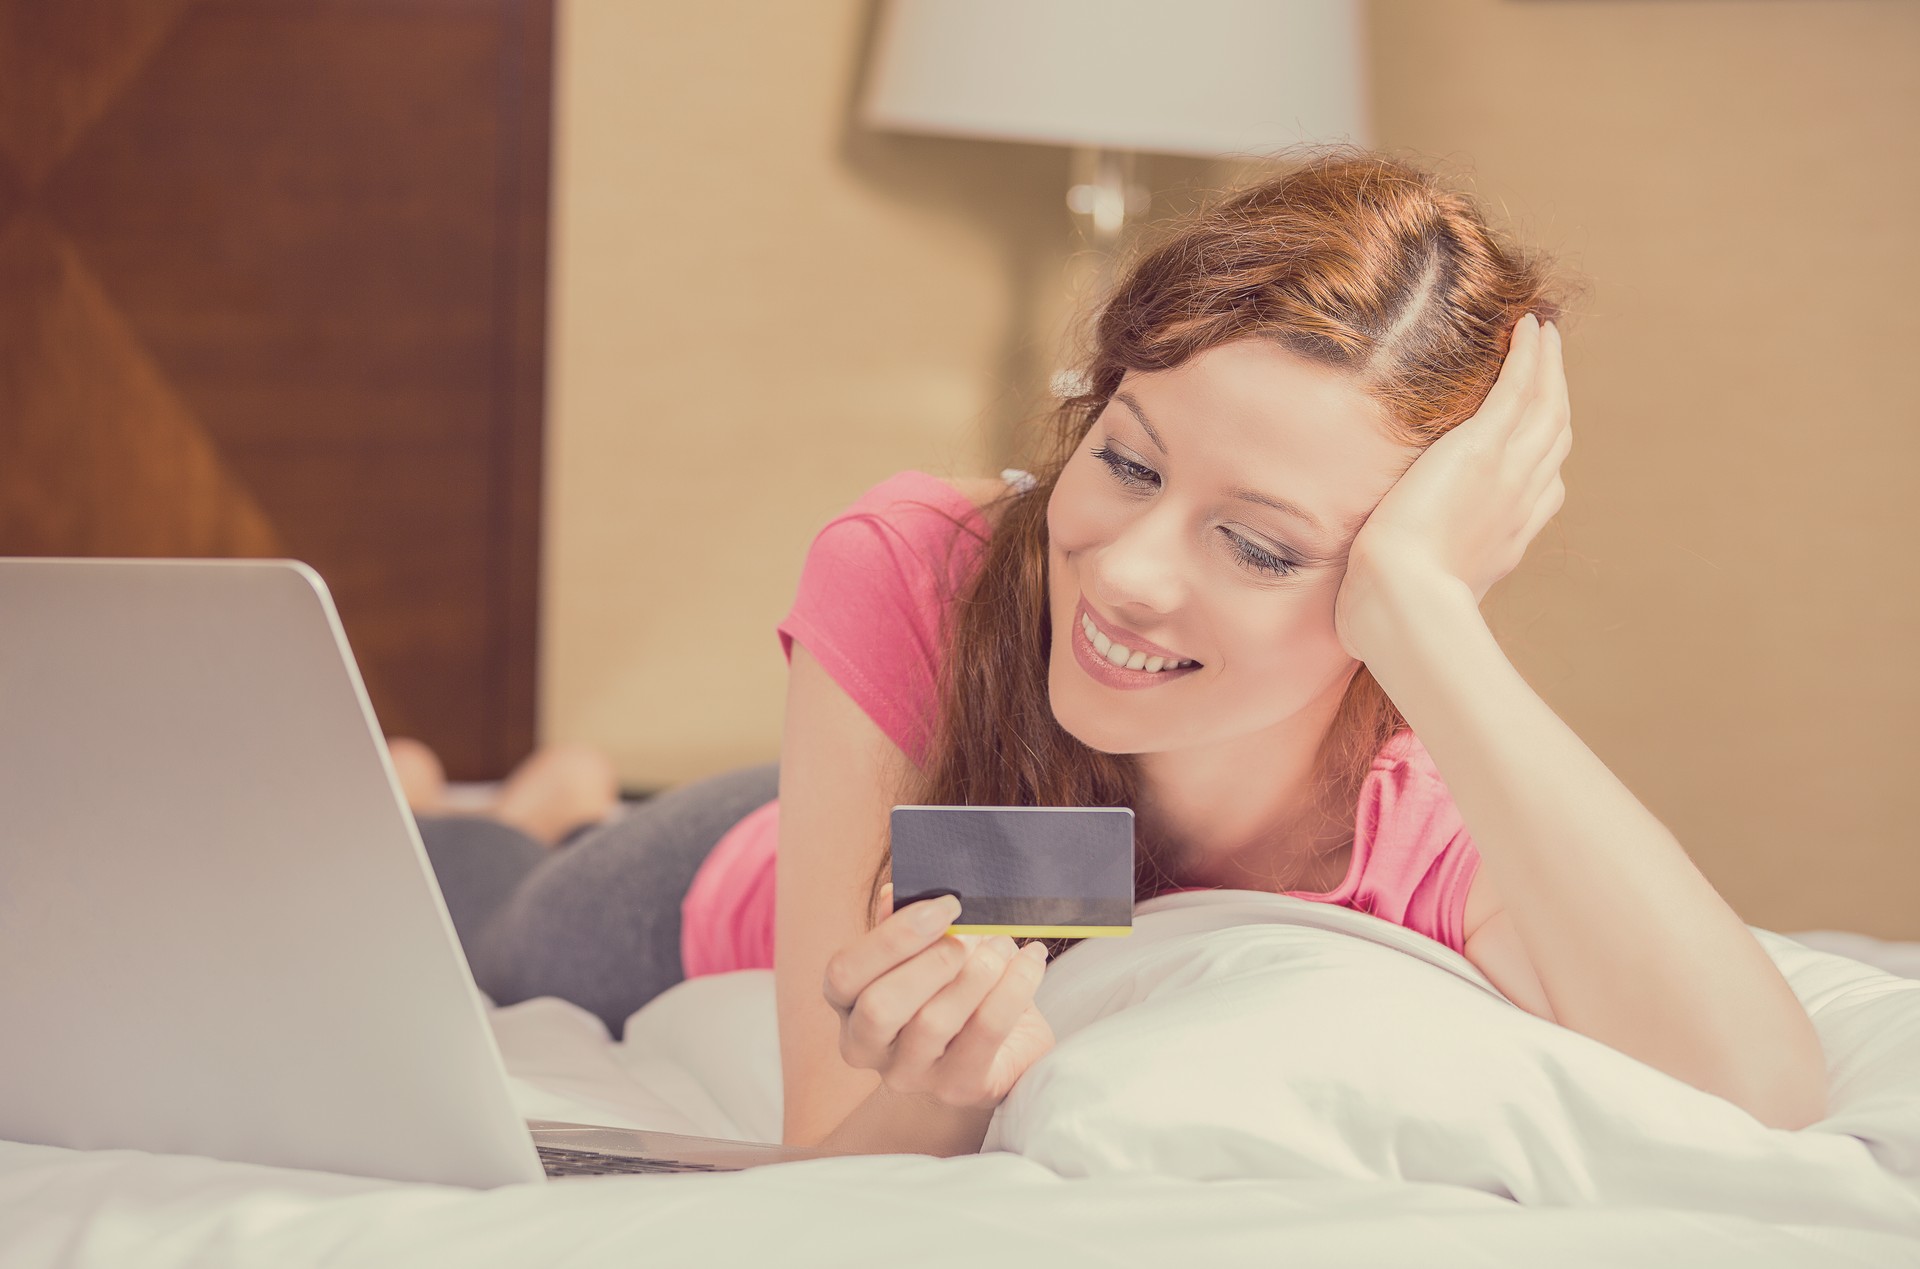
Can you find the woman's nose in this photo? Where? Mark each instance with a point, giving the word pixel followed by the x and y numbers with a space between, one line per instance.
pixel 1141 568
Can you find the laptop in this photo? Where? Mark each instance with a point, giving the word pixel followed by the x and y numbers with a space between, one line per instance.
pixel 219 932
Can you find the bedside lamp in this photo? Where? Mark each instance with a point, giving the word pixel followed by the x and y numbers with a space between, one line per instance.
pixel 1113 78
pixel 1110 79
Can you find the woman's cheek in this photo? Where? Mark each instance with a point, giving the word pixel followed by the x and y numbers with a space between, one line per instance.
pixel 1074 513
pixel 1300 640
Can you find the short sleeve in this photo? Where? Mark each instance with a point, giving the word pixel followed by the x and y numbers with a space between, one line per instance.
pixel 876 584
pixel 1420 860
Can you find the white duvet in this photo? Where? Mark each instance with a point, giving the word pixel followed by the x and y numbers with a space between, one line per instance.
pixel 1247 1076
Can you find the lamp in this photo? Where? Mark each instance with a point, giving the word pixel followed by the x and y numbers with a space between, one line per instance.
pixel 1214 78
pixel 1113 78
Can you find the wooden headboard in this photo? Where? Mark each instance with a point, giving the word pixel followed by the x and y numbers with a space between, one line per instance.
pixel 273 283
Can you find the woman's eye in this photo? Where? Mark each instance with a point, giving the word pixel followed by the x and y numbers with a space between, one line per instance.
pixel 1134 476
pixel 1124 471
pixel 1260 559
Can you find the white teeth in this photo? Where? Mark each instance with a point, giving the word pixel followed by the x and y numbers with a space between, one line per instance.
pixel 1120 654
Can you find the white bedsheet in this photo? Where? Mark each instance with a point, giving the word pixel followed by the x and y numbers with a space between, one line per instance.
pixel 1321 1182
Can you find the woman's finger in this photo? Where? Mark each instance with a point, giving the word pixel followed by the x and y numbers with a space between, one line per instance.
pixel 1548 409
pixel 1515 384
pixel 1536 459
pixel 1553 371
pixel 970 1054
pixel 1546 471
pixel 1562 446
pixel 888 1004
pixel 902 935
pixel 1544 510
pixel 926 1035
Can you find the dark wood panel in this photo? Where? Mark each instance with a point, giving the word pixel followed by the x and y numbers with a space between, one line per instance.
pixel 272 281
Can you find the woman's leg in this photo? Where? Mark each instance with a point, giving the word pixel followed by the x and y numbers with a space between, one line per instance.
pixel 596 922
pixel 554 792
pixel 479 863
pixel 559 790
pixel 480 858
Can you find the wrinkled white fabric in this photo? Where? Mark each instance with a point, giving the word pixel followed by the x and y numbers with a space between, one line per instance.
pixel 1240 1033
pixel 1554 1115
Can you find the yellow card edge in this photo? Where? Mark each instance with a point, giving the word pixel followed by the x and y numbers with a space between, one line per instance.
pixel 1046 931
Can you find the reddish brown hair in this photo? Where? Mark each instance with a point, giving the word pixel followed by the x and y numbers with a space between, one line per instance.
pixel 1348 258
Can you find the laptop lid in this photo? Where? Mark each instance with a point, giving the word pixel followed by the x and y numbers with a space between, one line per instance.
pixel 219 933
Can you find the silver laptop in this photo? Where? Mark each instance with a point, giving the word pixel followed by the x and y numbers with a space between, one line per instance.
pixel 219 933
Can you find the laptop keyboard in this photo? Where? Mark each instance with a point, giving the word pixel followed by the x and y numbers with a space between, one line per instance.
pixel 560 1161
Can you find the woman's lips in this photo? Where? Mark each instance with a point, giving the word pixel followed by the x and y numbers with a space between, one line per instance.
pixel 1105 672
pixel 1126 639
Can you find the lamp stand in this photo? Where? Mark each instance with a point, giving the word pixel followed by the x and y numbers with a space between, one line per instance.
pixel 1102 196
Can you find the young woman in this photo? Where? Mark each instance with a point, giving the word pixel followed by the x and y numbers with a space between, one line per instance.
pixel 1240 595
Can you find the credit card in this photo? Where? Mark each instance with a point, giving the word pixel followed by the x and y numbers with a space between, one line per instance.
pixel 1027 871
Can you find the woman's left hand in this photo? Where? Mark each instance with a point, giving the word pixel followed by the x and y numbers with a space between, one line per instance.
pixel 1464 513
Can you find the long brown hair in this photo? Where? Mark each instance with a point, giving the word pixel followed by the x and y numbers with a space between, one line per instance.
pixel 1351 260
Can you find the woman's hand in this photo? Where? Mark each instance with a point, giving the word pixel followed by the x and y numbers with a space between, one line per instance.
pixel 936 1018
pixel 1465 511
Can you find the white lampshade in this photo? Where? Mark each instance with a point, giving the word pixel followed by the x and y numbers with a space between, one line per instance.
pixel 1202 77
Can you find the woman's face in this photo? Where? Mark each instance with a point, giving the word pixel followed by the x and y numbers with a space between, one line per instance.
pixel 1148 536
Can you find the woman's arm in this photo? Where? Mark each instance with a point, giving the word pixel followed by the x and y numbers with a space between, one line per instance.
pixel 835 799
pixel 944 1017
pixel 890 1123
pixel 1630 942
pixel 1633 946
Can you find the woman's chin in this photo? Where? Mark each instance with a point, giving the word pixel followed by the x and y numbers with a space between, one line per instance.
pixel 1088 719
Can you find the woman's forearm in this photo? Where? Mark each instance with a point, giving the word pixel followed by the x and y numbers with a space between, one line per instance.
pixel 1631 943
pixel 889 1123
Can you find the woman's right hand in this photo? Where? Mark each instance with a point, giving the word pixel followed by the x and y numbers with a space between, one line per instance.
pixel 936 1018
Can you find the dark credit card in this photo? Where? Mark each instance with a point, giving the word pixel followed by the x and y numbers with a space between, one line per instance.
pixel 1027 871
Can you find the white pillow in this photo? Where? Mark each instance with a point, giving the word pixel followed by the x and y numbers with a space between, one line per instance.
pixel 1245 1034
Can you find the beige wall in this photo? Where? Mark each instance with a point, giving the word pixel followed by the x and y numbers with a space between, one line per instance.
pixel 759 310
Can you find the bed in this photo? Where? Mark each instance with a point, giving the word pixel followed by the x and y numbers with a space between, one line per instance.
pixel 1246 1077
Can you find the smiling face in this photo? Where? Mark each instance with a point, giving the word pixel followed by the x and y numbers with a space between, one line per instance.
pixel 1150 538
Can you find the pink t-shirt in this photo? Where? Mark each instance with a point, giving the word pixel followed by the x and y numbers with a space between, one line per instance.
pixel 873 589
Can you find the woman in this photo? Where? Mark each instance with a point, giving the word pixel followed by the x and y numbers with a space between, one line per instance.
pixel 1240 595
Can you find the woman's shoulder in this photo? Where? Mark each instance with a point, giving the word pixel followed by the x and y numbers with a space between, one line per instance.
pixel 875 590
pixel 925 516
pixel 1420 858
pixel 914 488
pixel 1406 807
pixel 1404 796
pixel 980 491
pixel 1403 751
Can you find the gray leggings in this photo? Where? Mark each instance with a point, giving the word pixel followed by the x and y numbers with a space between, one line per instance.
pixel 596 920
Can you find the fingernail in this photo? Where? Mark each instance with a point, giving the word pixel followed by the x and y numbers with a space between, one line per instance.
pixel 1036 952
pixel 937 915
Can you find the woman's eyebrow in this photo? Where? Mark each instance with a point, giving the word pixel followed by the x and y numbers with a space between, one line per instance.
pixel 1240 491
